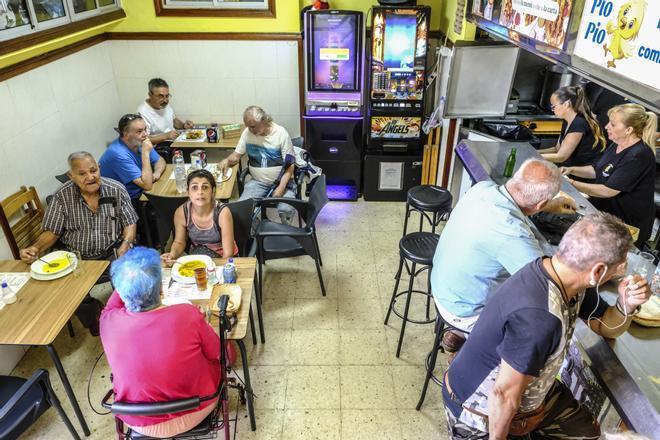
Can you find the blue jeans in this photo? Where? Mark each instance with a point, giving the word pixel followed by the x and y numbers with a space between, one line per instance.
pixel 255 189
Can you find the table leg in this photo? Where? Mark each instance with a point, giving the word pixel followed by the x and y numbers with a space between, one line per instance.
pixel 67 388
pixel 248 385
pixel 259 312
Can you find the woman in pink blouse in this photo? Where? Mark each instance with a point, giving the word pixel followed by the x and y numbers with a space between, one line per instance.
pixel 157 353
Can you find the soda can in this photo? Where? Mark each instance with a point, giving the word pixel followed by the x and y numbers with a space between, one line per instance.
pixel 212 134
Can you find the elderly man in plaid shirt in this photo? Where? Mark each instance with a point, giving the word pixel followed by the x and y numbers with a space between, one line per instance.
pixel 80 215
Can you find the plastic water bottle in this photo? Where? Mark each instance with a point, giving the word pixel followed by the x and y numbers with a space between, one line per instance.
pixel 179 172
pixel 8 295
pixel 229 272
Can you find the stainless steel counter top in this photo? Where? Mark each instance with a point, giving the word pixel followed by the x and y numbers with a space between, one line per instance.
pixel 628 367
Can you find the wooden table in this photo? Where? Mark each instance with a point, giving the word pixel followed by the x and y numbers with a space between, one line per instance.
pixel 166 187
pixel 245 268
pixel 43 308
pixel 222 144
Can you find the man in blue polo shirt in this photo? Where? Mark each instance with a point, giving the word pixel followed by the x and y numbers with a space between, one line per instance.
pixel 131 159
pixel 503 381
pixel 489 237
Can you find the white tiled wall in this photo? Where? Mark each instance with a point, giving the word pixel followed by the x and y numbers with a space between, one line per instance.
pixel 212 80
pixel 45 114
pixel 72 104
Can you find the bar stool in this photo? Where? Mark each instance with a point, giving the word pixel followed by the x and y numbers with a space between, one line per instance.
pixel 417 248
pixel 428 199
pixel 441 327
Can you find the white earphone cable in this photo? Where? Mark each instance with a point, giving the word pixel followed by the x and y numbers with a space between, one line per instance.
pixel 625 312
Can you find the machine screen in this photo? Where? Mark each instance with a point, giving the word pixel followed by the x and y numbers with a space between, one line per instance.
pixel 335 52
pixel 397 55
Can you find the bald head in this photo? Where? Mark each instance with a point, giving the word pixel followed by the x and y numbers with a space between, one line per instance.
pixel 535 183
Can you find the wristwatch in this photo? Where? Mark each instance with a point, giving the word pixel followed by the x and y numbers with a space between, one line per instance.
pixel 131 243
pixel 623 311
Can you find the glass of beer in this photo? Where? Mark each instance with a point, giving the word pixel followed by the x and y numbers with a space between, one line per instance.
pixel 200 278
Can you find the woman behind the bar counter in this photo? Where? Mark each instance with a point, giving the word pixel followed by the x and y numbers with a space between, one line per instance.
pixel 625 174
pixel 581 141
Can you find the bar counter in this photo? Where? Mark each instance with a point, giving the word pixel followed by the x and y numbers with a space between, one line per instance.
pixel 627 368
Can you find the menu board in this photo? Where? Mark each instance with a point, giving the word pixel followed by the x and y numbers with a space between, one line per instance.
pixel 622 36
pixel 542 20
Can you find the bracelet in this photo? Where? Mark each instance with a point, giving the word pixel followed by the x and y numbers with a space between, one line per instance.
pixel 621 310
pixel 131 243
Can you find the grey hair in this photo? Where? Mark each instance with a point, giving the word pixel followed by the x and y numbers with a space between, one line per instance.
pixel 79 155
pixel 596 238
pixel 535 181
pixel 257 113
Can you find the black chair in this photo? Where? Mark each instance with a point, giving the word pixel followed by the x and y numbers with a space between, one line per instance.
pixel 242 212
pixel 63 178
pixel 276 240
pixel 428 199
pixel 441 327
pixel 165 208
pixel 418 248
pixel 23 401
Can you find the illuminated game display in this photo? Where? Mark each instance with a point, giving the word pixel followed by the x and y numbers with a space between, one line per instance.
pixel 398 68
pixel 334 45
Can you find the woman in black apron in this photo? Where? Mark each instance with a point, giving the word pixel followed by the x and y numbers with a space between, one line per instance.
pixel 624 175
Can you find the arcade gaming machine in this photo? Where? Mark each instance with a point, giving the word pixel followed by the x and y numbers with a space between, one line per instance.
pixel 397 82
pixel 333 98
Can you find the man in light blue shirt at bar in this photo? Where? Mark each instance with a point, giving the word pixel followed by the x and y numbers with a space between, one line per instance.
pixel 489 237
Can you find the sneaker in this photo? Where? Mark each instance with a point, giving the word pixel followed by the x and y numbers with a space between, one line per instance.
pixel 452 341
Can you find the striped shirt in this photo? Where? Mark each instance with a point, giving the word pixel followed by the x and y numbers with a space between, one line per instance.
pixel 81 229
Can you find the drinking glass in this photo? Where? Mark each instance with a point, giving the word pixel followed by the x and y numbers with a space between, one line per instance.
pixel 200 278
pixel 644 266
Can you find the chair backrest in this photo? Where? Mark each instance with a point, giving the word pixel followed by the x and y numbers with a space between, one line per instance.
pixel 242 211
pixel 27 228
pixel 317 200
pixel 298 141
pixel 63 178
pixel 165 208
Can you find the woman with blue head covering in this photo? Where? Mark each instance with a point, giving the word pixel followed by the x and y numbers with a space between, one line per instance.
pixel 157 353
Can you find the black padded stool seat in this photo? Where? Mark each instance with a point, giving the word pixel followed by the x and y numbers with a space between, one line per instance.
pixel 427 199
pixel 430 198
pixel 416 248
pixel 419 247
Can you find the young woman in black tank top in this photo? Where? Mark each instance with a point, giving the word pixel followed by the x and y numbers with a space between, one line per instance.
pixel 207 224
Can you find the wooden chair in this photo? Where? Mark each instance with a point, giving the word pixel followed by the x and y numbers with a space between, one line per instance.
pixel 28 227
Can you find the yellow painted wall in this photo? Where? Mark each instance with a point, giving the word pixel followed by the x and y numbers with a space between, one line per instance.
pixel 141 17
pixel 442 14
pixel 21 55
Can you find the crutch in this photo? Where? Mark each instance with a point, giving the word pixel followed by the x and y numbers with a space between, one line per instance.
pixel 289 160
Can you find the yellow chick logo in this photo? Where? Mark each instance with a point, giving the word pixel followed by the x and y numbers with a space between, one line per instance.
pixel 624 30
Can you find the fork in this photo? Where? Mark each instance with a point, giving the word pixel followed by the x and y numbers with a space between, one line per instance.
pixel 50 264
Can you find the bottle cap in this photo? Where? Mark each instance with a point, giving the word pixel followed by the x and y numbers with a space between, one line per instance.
pixel 231 260
pixel 4 284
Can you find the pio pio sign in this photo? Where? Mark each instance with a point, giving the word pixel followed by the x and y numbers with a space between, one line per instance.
pixel 622 36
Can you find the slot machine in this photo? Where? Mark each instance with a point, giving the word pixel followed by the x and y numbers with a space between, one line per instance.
pixel 395 110
pixel 334 117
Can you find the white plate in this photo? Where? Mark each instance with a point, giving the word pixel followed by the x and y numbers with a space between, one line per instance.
pixel 183 137
pixel 50 277
pixel 189 280
pixel 38 266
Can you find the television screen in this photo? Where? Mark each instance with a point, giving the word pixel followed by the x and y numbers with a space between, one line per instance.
pixel 335 52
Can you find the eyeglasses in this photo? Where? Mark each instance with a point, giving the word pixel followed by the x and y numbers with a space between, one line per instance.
pixel 126 120
pixel 161 96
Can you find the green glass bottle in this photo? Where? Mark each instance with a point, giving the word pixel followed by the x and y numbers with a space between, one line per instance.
pixel 510 163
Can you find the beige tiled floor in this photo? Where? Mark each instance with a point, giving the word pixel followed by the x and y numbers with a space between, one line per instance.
pixel 327 370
